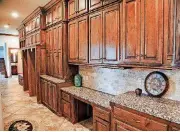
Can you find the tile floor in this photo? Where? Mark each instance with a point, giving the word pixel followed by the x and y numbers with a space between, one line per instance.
pixel 18 105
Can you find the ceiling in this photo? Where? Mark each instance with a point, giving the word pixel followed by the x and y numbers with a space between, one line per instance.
pixel 23 7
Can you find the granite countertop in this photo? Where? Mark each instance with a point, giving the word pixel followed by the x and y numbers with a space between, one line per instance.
pixel 52 79
pixel 158 107
pixel 96 97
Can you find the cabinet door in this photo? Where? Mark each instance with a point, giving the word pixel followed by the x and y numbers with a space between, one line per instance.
pixel 54 12
pixel 50 95
pixel 43 90
pixel 111 37
pixel 82 6
pixel 120 126
pixel 95 38
pixel 100 125
pixel 73 46
pixel 66 107
pixel 131 31
pixel 83 40
pixel 177 41
pixel 59 11
pixel 72 8
pixel 51 64
pixel 168 31
pixel 55 97
pixel 46 92
pixel 152 31
pixel 59 51
pixel 55 53
pixel 95 4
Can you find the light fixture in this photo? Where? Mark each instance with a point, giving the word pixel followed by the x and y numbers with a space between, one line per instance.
pixel 15 14
pixel 6 26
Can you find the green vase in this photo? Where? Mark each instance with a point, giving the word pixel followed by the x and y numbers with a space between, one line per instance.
pixel 78 80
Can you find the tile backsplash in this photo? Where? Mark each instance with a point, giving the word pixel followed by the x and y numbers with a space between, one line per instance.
pixel 118 81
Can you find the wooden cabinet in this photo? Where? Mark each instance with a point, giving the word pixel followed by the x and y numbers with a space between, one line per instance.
pixel 72 46
pixel 131 31
pixel 54 46
pixel 78 40
pixel 77 7
pixel 101 119
pixel 123 119
pixel 100 125
pixel 177 34
pixel 72 8
pixel 95 4
pixel 104 36
pixel 49 94
pixel 152 31
pixel 95 38
pixel 82 6
pixel 66 105
pixel 111 35
pixel 120 126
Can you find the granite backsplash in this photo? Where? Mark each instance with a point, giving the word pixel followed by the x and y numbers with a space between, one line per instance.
pixel 118 81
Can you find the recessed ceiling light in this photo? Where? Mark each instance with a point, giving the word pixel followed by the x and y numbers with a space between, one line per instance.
pixel 15 14
pixel 6 26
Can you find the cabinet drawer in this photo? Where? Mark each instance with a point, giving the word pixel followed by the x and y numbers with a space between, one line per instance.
pixel 139 121
pixel 120 126
pixel 103 114
pixel 66 96
pixel 66 106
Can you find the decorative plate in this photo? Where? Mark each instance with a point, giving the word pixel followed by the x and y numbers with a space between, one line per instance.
pixel 21 125
pixel 156 84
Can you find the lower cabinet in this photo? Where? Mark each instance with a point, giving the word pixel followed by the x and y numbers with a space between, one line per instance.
pixel 65 105
pixel 101 119
pixel 123 119
pixel 100 125
pixel 120 126
pixel 49 94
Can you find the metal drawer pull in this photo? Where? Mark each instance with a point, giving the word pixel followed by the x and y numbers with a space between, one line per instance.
pixel 136 121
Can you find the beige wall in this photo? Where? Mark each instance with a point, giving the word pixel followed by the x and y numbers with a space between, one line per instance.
pixel 118 81
pixel 10 42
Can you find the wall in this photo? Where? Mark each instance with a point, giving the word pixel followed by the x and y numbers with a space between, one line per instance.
pixel 1 51
pixel 8 42
pixel 118 81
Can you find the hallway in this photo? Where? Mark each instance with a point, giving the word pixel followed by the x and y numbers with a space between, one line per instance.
pixel 18 105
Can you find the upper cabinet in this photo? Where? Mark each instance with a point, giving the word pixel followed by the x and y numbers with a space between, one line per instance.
pixel 177 32
pixel 152 31
pixel 131 31
pixel 55 14
pixel 77 7
pixel 95 4
pixel 78 40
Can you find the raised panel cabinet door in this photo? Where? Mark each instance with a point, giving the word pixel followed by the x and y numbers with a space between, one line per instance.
pixel 177 34
pixel 51 64
pixel 168 31
pixel 95 4
pixel 100 125
pixel 95 38
pixel 72 8
pixel 50 95
pixel 60 11
pixel 54 11
pixel 73 46
pixel 131 31
pixel 60 55
pixel 66 107
pixel 111 35
pixel 120 126
pixel 46 92
pixel 55 97
pixel 152 31
pixel 83 39
pixel 42 89
pixel 82 6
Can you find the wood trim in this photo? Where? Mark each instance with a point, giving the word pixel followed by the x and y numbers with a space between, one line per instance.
pixel 4 34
